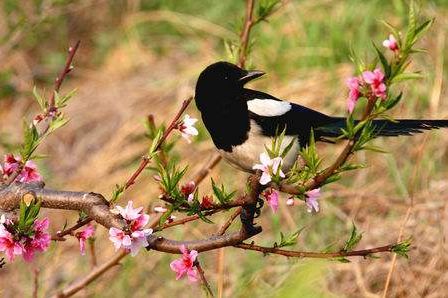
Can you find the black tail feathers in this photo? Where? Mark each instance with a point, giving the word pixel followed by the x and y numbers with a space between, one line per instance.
pixel 385 128
pixel 406 127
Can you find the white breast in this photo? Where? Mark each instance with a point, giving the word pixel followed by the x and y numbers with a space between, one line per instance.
pixel 246 155
pixel 268 107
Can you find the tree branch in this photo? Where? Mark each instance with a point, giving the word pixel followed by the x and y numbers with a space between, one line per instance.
pixel 60 78
pixel 319 255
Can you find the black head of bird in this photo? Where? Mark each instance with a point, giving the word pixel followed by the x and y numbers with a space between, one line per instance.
pixel 221 83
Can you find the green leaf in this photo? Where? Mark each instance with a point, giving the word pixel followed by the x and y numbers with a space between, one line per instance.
pixel 407 76
pixel 289 240
pixel 353 240
pixel 343 260
pixel 166 215
pixel 393 102
pixel 402 248
pixel 40 100
pixel 155 143
pixel 117 192
pixel 61 101
pixel 383 60
pixel 30 143
pixel 374 149
pixel 423 28
pixel 412 24
pixel 221 194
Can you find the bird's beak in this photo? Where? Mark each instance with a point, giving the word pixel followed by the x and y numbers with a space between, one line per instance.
pixel 251 75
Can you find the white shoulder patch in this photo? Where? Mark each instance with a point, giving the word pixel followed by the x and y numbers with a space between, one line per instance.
pixel 268 107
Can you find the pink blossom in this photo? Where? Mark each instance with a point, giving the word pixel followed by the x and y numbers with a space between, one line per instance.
pixel 140 222
pixel 29 172
pixel 188 190
pixel 39 241
pixel 376 81
pixel 311 200
pixel 82 236
pixel 139 240
pixel 119 238
pixel 137 236
pixel 391 43
pixel 185 265
pixel 290 201
pixel 129 213
pixel 10 165
pixel 354 93
pixel 269 167
pixel 8 245
pixel 271 196
pixel 187 128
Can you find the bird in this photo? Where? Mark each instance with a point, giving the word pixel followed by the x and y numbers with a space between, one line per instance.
pixel 242 121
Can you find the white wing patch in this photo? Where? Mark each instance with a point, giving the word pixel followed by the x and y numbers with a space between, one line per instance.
pixel 268 107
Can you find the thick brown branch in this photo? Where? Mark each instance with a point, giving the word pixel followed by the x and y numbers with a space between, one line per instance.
pixel 93 204
pixel 172 246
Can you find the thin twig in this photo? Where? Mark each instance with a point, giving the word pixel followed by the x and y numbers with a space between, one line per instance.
pixel 204 279
pixel 227 224
pixel 207 168
pixel 51 103
pixel 93 259
pixel 70 231
pixel 245 34
pixel 319 255
pixel 93 275
pixel 220 268
pixel 60 78
pixel 145 160
pixel 36 273
pixel 185 220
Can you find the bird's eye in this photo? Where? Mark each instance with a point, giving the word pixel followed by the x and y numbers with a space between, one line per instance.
pixel 226 78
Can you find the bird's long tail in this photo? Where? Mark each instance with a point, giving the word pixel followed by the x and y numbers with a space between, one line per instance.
pixel 386 128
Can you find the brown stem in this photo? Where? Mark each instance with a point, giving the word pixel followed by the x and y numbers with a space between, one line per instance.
pixel 203 278
pixel 320 255
pixel 60 78
pixel 207 168
pixel 36 282
pixel 227 224
pixel 185 220
pixel 93 275
pixel 71 230
pixel 93 259
pixel 245 34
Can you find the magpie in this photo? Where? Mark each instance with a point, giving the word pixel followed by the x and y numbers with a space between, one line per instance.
pixel 242 121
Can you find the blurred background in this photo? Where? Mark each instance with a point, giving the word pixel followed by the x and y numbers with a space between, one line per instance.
pixel 143 57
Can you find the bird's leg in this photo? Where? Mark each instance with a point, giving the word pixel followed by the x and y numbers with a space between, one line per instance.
pixel 250 210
